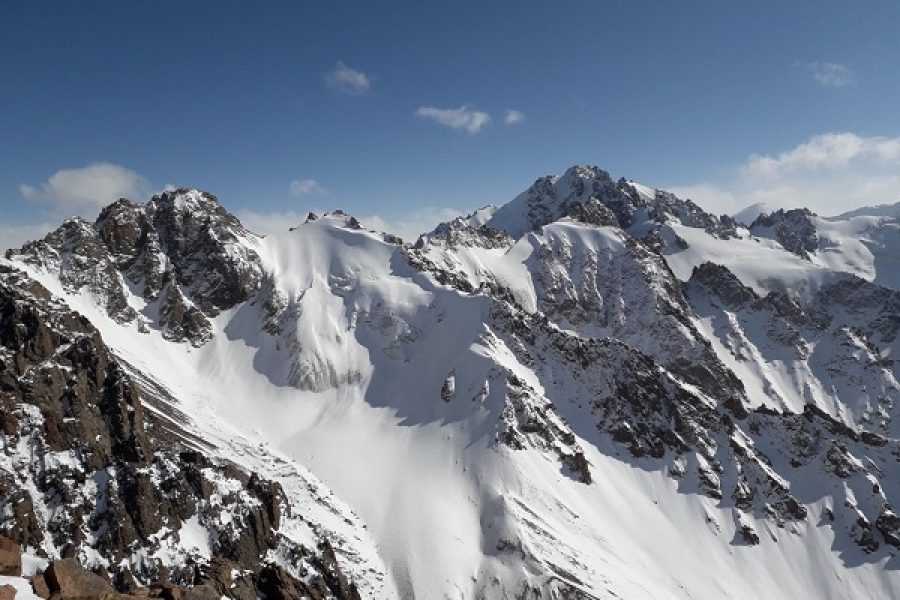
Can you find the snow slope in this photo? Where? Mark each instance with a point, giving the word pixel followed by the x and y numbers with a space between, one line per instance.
pixel 865 242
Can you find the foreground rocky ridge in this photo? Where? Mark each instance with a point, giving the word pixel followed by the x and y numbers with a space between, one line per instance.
pixel 85 476
pixel 555 327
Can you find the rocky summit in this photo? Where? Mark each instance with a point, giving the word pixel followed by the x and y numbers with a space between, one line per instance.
pixel 597 390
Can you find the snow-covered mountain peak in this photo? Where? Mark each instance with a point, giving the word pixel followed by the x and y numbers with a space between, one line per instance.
pixel 186 200
pixel 185 212
pixel 882 210
pixel 338 220
pixel 748 214
pixel 551 198
pixel 172 262
pixel 581 191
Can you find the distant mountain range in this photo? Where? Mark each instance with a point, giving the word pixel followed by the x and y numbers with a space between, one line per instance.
pixel 597 390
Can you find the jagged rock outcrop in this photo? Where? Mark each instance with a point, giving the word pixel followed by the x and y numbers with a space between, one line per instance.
pixel 67 579
pixel 182 254
pixel 793 229
pixel 744 459
pixel 85 479
pixel 582 190
pixel 843 334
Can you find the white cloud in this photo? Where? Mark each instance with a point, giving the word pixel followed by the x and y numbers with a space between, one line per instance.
pixel 85 190
pixel 829 174
pixel 827 151
pixel 830 75
pixel 347 80
pixel 411 225
pixel 465 117
pixel 303 187
pixel 513 117
pixel 713 197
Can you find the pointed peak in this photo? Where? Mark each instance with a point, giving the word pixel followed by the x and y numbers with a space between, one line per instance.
pixel 186 199
pixel 586 172
pixel 551 198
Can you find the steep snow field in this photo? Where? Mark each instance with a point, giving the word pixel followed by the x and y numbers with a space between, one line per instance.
pixel 758 262
pixel 865 242
pixel 383 388
pixel 867 245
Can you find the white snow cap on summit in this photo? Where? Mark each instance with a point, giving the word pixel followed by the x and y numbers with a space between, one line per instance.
pixel 750 213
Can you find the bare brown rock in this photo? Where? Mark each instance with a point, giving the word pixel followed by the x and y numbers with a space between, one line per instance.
pixel 10 558
pixel 205 591
pixel 67 579
pixel 40 587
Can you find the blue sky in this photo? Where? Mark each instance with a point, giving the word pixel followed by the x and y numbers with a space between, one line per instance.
pixel 398 110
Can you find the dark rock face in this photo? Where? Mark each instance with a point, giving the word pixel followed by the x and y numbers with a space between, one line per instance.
pixel 193 231
pixel 86 403
pixel 113 487
pixel 793 229
pixel 10 558
pixel 748 535
pixel 667 205
pixel 459 232
pixel 723 284
pixel 874 309
pixel 746 459
pixel 593 212
pixel 181 252
pixel 179 319
pixel 219 578
pixel 78 254
pixel 530 420
pixel 551 198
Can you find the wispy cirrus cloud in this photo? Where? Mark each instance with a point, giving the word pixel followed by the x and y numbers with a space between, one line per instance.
pixel 513 117
pixel 465 118
pixel 304 187
pixel 829 74
pixel 347 80
pixel 829 174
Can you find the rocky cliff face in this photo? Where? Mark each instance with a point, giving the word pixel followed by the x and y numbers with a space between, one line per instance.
pixel 754 461
pixel 793 229
pixel 181 254
pixel 84 475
